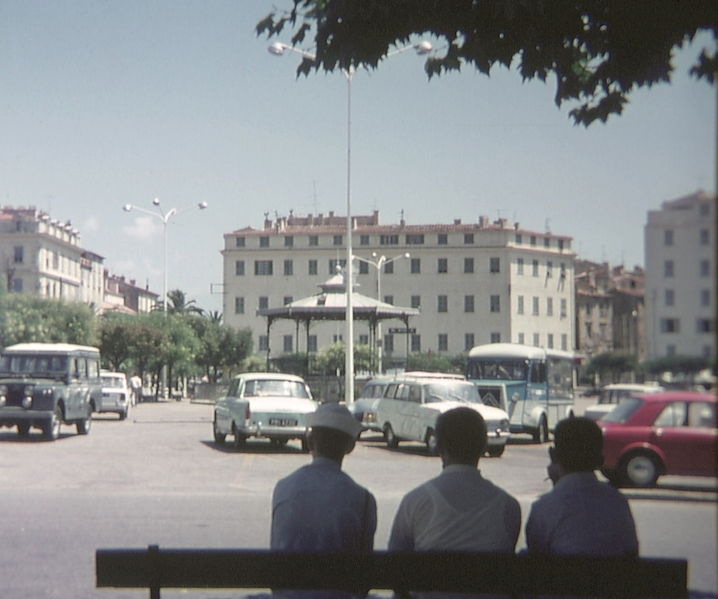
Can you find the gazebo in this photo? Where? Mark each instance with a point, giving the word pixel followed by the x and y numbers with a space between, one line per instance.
pixel 331 304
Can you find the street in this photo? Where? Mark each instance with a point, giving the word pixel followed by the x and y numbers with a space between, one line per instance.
pixel 158 478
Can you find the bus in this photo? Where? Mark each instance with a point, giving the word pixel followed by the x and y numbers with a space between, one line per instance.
pixel 532 384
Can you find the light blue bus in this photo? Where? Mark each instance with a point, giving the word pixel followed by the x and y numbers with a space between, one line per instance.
pixel 532 384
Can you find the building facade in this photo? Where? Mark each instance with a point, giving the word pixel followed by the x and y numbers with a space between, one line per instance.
pixel 473 283
pixel 680 299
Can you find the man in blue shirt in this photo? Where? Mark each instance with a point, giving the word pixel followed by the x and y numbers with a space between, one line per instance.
pixel 580 515
pixel 318 507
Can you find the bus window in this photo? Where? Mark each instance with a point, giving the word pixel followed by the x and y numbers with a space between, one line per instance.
pixel 538 372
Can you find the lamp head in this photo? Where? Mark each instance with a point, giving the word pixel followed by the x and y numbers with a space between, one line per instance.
pixel 422 48
pixel 276 49
pixel 202 205
pixel 127 207
pixel 156 202
pixel 407 255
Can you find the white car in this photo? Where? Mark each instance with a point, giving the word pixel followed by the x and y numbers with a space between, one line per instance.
pixel 410 406
pixel 611 395
pixel 116 394
pixel 266 405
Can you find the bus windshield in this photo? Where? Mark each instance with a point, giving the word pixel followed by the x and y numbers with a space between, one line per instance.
pixel 500 369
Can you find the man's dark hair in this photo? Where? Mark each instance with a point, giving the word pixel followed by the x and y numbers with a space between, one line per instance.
pixel 461 433
pixel 330 443
pixel 578 444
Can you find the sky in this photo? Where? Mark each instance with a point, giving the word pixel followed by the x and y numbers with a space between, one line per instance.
pixel 111 102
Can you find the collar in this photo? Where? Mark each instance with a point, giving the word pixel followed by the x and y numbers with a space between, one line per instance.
pixel 576 478
pixel 460 468
pixel 322 462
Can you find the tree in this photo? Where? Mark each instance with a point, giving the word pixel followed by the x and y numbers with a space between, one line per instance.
pixel 220 346
pixel 117 337
pixel 177 303
pixel 612 365
pixel 330 360
pixel 598 52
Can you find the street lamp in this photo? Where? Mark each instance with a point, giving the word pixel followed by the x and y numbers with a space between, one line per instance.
pixel 378 263
pixel 278 49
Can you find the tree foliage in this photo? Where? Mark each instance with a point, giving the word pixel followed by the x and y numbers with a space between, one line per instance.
pixel 331 359
pixel 597 52
pixel 612 365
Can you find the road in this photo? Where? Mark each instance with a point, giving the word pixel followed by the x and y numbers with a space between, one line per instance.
pixel 159 478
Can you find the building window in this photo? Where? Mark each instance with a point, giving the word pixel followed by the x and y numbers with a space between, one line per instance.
pixel 536 340
pixel 705 268
pixel 415 239
pixel 549 340
pixel 535 306
pixel 519 304
pixel 389 299
pixel 668 237
pixel 289 241
pixel 389 268
pixel 363 268
pixel 521 339
pixel 416 343
pixel 263 302
pixel 336 265
pixel 519 266
pixel 468 265
pixel 442 303
pixel 388 240
pixel 442 265
pixel 704 237
pixel 416 301
pixel 494 264
pixel 313 267
pixel 547 242
pixel 495 303
pixel 519 239
pixel 705 297
pixel 668 268
pixel 287 344
pixel 338 240
pixel 364 240
pixel 313 240
pixel 17 285
pixel 560 244
pixel 495 337
pixel 704 325
pixel 264 242
pixel 468 341
pixel 363 339
pixel 535 268
pixel 312 344
pixel 18 254
pixel 263 268
pixel 239 268
pixel 415 266
pixel 549 306
pixel 263 343
pixel 468 303
pixel 549 269
pixel 533 240
pixel 288 268
pixel 468 238
pixel 564 341
pixel 443 342
pixel 239 305
pixel 239 242
pixel 564 308
pixel 670 325
pixel 288 299
pixel 388 343
pixel 670 299
pixel 442 239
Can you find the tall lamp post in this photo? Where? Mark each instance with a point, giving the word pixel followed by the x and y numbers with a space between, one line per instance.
pixel 278 49
pixel 378 262
pixel 165 217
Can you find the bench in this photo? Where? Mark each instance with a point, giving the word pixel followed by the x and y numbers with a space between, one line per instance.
pixel 155 569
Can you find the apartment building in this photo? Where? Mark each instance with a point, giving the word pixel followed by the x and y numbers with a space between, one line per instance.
pixel 680 251
pixel 473 283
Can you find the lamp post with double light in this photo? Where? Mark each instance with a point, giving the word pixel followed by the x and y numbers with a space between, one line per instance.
pixel 379 262
pixel 278 49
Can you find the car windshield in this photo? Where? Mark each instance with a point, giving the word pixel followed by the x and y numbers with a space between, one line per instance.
pixel 275 388
pixel 112 381
pixel 38 364
pixel 451 391
pixel 623 411
pixel 498 369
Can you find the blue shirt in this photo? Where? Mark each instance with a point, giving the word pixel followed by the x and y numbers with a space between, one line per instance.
pixel 581 516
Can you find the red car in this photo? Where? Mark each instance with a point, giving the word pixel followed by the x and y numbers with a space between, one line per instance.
pixel 647 436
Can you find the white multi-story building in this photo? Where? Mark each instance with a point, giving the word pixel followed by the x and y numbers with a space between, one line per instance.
pixel 473 283
pixel 680 298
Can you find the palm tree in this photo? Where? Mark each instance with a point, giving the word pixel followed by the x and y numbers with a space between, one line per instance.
pixel 179 304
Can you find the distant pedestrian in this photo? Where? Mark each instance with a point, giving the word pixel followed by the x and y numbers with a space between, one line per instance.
pixel 580 515
pixel 136 388
pixel 319 507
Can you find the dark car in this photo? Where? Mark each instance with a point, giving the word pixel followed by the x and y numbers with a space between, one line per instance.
pixel 647 436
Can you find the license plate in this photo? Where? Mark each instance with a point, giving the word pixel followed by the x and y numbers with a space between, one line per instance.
pixel 282 422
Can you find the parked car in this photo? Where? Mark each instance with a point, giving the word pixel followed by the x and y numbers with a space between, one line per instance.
pixel 364 406
pixel 116 394
pixel 610 395
pixel 410 406
pixel 650 435
pixel 264 405
pixel 43 385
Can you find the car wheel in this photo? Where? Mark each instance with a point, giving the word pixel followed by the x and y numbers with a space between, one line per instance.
pixel 496 451
pixel 390 437
pixel 83 426
pixel 541 433
pixel 639 470
pixel 51 427
pixel 23 430
pixel 305 445
pixel 431 443
pixel 218 437
pixel 238 440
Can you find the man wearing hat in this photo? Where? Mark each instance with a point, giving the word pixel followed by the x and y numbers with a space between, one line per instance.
pixel 580 515
pixel 319 507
